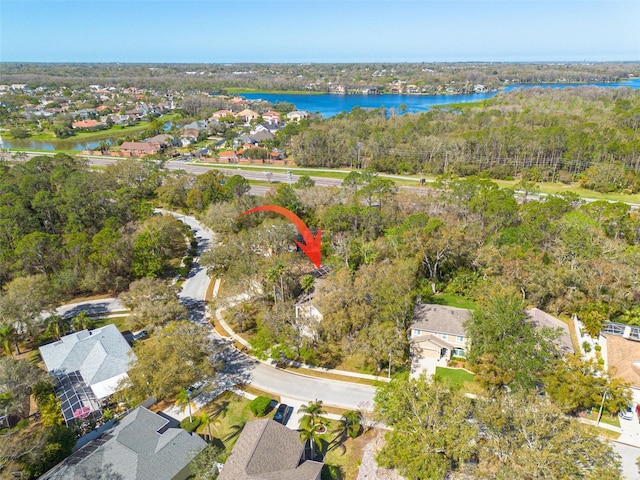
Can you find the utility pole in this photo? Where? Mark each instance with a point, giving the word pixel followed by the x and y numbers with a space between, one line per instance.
pixel 604 396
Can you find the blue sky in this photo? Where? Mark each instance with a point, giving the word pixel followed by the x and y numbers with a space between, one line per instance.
pixel 212 31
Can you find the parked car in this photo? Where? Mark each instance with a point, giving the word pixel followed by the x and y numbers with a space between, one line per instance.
pixel 283 413
pixel 195 388
pixel 626 413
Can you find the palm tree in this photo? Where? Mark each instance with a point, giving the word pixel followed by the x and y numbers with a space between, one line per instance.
pixel 207 421
pixel 351 421
pixel 183 400
pixel 82 321
pixel 307 282
pixel 7 332
pixel 313 410
pixel 309 434
pixel 103 146
pixel 57 326
pixel 273 274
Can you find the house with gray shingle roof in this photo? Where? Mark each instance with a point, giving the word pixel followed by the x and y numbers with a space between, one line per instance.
pixel 267 450
pixel 141 446
pixel 437 333
pixel 89 365
pixel 541 319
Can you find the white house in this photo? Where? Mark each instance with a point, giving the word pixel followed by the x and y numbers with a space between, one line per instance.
pixel 89 365
pixel 436 335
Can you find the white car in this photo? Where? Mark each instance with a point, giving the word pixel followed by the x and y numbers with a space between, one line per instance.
pixel 626 413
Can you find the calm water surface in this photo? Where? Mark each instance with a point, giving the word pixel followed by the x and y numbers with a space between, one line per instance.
pixel 329 105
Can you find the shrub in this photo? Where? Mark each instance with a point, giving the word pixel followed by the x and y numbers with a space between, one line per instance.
pixel 190 425
pixel 260 405
pixel 586 346
pixel 598 348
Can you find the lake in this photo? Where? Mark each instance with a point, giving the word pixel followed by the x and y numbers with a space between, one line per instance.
pixel 71 144
pixel 328 104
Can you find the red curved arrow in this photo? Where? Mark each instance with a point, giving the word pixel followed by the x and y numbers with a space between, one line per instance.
pixel 311 245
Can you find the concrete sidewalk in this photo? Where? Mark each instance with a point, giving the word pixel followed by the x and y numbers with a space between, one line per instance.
pixel 243 297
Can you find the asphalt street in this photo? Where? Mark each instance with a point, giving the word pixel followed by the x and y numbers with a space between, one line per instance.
pixel 244 369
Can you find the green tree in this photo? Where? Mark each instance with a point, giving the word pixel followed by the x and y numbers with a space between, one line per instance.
pixel 431 433
pixel 17 379
pixel 158 240
pixel 352 422
pixel 529 437
pixel 593 317
pixel 309 434
pixel 304 181
pixel 23 302
pixel 285 196
pixel 7 333
pixel 236 186
pixel 57 326
pixel 576 385
pixel 313 410
pixel 377 191
pixel 307 282
pixel 179 354
pixel 274 276
pixel 204 466
pixel 503 334
pixel 82 321
pixel 183 401
pixel 153 303
pixel 207 421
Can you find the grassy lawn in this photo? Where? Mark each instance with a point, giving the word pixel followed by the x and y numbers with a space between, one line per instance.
pixel 119 321
pixel 607 418
pixel 280 169
pixel 331 376
pixel 229 413
pixel 454 301
pixel 342 454
pixel 456 376
pixel 603 432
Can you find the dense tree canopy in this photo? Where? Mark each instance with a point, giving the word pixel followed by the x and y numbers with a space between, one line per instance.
pixel 505 346
pixel 438 431
pixel 176 357
pixel 572 134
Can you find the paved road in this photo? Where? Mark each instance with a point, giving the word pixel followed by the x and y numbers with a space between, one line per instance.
pixel 244 369
pixel 241 368
pixel 629 455
pixel 194 288
pixel 278 178
pixel 94 308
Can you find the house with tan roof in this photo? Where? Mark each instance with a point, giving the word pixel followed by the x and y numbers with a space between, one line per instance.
pixel 247 115
pixel 267 450
pixel 220 113
pixel 437 334
pixel 138 149
pixel 297 115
